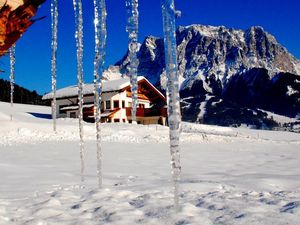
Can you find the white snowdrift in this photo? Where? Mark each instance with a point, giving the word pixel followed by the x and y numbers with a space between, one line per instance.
pixel 229 175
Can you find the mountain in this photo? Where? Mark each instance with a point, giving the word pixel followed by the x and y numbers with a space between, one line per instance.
pixel 227 76
pixel 21 95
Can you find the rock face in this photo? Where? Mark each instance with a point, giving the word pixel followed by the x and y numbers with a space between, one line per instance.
pixel 151 59
pixel 224 69
pixel 14 22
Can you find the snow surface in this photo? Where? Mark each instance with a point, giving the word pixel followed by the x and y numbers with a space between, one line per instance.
pixel 229 175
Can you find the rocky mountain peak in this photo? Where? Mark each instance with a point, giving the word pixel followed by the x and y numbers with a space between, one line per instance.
pixel 217 51
pixel 222 71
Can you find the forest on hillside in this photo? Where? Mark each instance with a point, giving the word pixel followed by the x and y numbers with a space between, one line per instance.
pixel 21 95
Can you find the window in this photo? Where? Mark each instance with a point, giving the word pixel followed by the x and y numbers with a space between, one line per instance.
pixel 108 120
pixel 129 121
pixel 72 114
pixel 116 120
pixel 129 104
pixel 116 104
pixel 102 105
pixel 123 104
pixel 141 106
pixel 123 120
pixel 108 106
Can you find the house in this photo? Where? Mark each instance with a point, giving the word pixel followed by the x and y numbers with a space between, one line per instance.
pixel 116 102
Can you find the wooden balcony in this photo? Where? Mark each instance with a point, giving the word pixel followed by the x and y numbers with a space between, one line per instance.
pixel 142 112
pixel 140 96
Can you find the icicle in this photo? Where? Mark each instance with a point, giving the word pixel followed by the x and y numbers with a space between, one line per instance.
pixel 132 29
pixel 79 44
pixel 174 117
pixel 100 51
pixel 12 56
pixel 54 25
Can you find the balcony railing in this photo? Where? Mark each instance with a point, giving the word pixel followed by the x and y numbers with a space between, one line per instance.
pixel 141 112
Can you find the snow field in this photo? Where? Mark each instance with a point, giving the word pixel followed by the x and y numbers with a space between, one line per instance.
pixel 229 175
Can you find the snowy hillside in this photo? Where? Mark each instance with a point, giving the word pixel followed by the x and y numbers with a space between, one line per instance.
pixel 229 175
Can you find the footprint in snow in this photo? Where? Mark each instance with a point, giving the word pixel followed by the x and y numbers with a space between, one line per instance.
pixel 140 201
pixel 77 206
pixel 290 207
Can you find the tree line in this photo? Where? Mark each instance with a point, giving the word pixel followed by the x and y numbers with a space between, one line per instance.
pixel 21 95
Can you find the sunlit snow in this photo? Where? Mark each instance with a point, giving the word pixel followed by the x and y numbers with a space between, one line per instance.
pixel 229 175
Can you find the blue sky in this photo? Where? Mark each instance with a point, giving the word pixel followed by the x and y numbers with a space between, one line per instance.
pixel 278 17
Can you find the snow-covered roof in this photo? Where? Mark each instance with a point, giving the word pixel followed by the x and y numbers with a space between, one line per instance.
pixel 107 86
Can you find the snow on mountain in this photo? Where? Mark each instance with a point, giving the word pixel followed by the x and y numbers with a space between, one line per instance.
pixel 243 68
pixel 229 175
pixel 225 52
pixel 291 91
pixel 112 73
pixel 217 51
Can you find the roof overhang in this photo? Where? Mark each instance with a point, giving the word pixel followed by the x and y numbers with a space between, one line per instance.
pixel 117 86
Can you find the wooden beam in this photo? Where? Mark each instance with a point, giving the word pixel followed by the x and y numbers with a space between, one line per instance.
pixel 14 22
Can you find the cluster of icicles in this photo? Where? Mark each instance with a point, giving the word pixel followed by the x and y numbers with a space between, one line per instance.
pixel 174 118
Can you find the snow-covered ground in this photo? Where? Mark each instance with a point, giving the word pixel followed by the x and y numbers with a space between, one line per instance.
pixel 229 175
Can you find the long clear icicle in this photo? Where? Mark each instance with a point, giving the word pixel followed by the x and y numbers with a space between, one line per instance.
pixel 132 29
pixel 174 117
pixel 100 52
pixel 79 44
pixel 54 26
pixel 12 56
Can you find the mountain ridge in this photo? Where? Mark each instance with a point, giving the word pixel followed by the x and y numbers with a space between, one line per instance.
pixel 252 48
pixel 214 62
